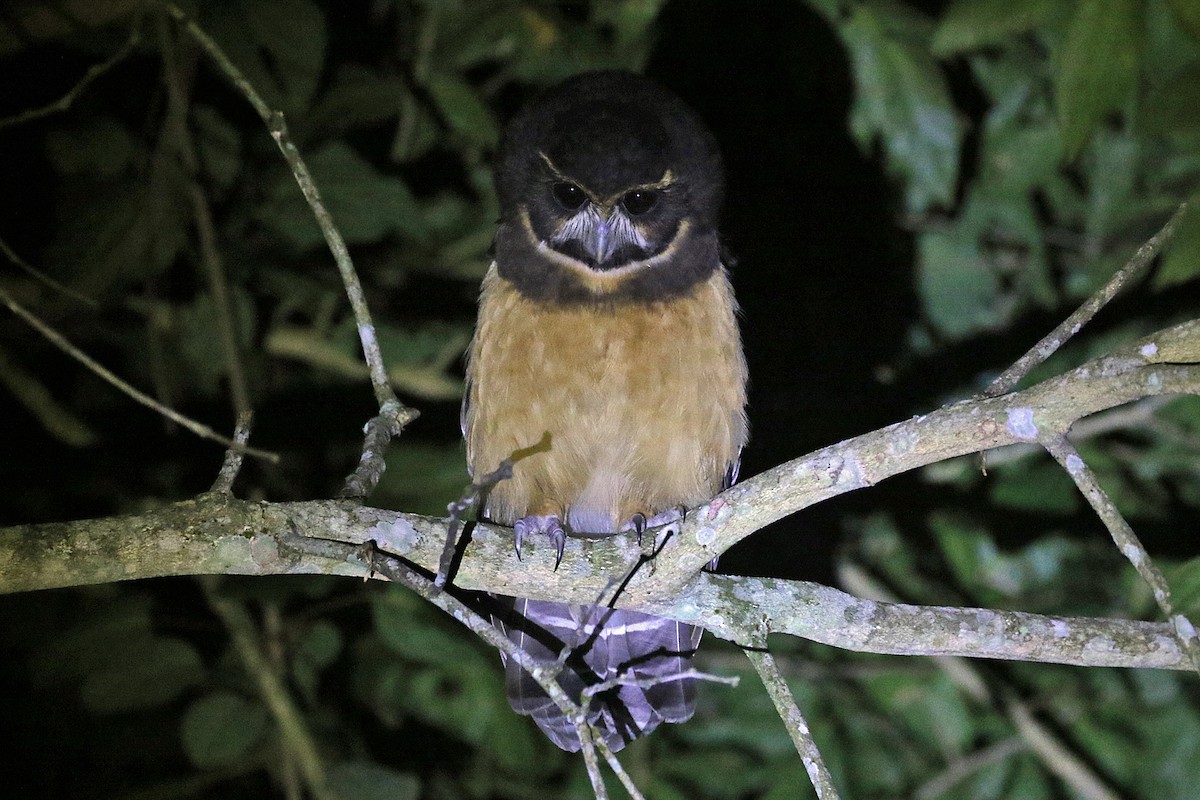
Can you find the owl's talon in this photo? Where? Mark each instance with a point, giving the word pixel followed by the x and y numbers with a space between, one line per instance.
pixel 639 523
pixel 542 525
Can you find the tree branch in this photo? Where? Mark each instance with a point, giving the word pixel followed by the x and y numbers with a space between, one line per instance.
pixel 218 534
pixel 793 720
pixel 215 534
pixel 393 415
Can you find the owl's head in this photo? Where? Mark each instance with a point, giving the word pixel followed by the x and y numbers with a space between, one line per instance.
pixel 607 174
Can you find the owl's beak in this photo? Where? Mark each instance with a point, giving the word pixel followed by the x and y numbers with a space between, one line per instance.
pixel 601 233
pixel 603 242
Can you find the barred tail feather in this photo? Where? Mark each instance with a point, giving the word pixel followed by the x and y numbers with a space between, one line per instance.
pixel 605 643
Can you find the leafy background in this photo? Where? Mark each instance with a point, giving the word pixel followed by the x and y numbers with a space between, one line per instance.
pixel 917 191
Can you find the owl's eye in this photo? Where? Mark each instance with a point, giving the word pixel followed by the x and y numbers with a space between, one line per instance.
pixel 639 201
pixel 568 194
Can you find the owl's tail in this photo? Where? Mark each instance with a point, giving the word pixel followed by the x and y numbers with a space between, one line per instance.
pixel 604 644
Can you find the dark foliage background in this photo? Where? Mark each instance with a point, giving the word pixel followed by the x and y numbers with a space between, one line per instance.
pixel 916 192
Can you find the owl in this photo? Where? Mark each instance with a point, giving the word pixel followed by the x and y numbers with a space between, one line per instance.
pixel 607 322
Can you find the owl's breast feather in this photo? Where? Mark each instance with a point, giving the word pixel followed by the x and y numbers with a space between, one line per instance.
pixel 644 402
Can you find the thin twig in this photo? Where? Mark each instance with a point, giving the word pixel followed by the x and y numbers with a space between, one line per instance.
pixel 30 392
pixel 545 674
pixel 793 720
pixel 1126 540
pixel 397 571
pixel 587 748
pixel 458 508
pixel 203 431
pixel 42 277
pixel 624 777
pixel 1057 758
pixel 377 435
pixel 476 493
pixel 232 464
pixel 624 679
pixel 277 126
pixel 968 765
pixel 1133 268
pixel 293 730
pixel 1042 742
pixel 93 72
pixel 210 254
pixel 273 637
pixel 227 324
pixel 1130 417
pixel 393 415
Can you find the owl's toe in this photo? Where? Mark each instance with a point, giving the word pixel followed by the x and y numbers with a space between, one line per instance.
pixel 547 525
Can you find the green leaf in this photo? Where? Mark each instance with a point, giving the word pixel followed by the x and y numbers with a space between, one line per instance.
pixel 143 674
pixel 1028 780
pixel 1184 580
pixel 959 291
pixel 417 130
pixel 319 647
pixel 293 33
pixel 632 21
pixel 929 707
pixel 198 339
pixel 789 783
pixel 422 478
pixel 1187 12
pixel 405 625
pixel 1181 262
pixel 964 546
pixel 219 144
pixel 359 97
pixel 969 24
pixel 1170 766
pixel 1089 85
pixel 278 45
pixel 115 234
pixel 1113 163
pixel 220 728
pixel 365 781
pixel 830 9
pixel 1041 487
pixel 902 99
pixel 486 38
pixel 1017 159
pixel 321 643
pixel 1171 108
pixel 89 644
pixel 100 147
pixel 365 205
pixel 462 109
pixel 420 361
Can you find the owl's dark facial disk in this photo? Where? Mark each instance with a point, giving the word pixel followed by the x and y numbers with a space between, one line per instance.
pixel 607 173
pixel 604 232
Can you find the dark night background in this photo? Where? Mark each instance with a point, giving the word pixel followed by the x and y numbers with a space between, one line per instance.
pixel 825 269
pixel 821 272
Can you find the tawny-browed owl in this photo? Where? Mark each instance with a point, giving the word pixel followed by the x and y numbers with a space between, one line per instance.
pixel 607 321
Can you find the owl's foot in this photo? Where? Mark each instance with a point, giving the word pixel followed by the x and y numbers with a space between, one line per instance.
pixel 542 525
pixel 639 523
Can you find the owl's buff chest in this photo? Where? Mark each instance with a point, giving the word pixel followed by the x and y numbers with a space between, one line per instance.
pixel 632 396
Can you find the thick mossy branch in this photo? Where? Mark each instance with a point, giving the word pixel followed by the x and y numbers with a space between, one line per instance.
pixel 217 534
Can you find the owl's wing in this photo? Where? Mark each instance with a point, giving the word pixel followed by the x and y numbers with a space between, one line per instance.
pixel 464 424
pixel 603 644
pixel 732 471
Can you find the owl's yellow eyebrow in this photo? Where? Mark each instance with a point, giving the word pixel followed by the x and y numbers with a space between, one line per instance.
pixel 665 181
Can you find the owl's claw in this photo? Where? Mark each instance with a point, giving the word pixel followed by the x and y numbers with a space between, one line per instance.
pixel 639 523
pixel 542 525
